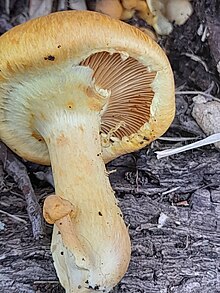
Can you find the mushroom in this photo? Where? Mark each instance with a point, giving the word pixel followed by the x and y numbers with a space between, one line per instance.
pixel 78 98
pixel 127 14
pixel 159 13
pixel 156 17
pixel 178 11
pixel 144 12
pixel 112 8
pixel 129 4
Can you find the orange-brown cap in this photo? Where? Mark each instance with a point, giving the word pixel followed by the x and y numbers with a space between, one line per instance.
pixel 127 65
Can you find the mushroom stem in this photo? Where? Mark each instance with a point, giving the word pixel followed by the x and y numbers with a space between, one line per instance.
pixel 92 249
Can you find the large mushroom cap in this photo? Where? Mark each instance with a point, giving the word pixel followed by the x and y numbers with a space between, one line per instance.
pixel 128 67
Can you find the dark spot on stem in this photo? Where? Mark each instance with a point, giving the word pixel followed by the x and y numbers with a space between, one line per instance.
pixel 59 46
pixel 100 214
pixel 62 253
pixel 145 138
pixel 94 288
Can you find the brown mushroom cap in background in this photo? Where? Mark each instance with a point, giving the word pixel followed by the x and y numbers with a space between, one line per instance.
pixel 112 8
pixel 126 63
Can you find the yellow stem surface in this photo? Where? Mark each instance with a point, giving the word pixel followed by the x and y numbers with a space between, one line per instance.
pixel 92 250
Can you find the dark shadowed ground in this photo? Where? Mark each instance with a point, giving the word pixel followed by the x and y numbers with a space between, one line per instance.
pixel 172 205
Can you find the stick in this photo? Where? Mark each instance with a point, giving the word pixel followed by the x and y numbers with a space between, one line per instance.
pixel 18 171
pixel 208 140
pixel 13 217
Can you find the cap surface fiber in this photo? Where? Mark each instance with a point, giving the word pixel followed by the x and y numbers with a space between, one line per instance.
pixel 134 71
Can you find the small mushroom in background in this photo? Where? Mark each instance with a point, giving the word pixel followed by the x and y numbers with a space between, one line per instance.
pixel 178 11
pixel 144 12
pixel 157 13
pixel 129 4
pixel 111 8
pixel 127 14
pixel 128 9
pixel 76 99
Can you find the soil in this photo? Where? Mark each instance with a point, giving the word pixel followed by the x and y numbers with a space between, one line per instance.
pixel 172 205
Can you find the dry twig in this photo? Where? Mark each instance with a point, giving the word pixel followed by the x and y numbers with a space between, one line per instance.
pixel 197 93
pixel 196 59
pixel 18 171
pixel 208 140
pixel 16 218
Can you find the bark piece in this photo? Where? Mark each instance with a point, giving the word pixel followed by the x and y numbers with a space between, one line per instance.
pixel 18 171
pixel 185 251
pixel 4 23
